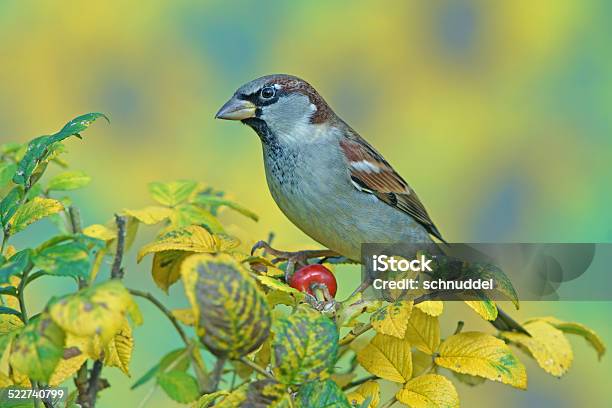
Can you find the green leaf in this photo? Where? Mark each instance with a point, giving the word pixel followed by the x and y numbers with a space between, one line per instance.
pixel 38 349
pixel 69 258
pixel 268 393
pixel 179 386
pixel 216 201
pixel 227 303
pixel 206 400
pixel 33 211
pixel 173 193
pixel 7 171
pixel 9 311
pixel 321 394
pixel 305 346
pixel 15 265
pixel 70 180
pixel 185 215
pixel 9 204
pixel 40 149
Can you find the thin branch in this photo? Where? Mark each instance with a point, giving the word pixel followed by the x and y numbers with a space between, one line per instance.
pixel 255 367
pixel 216 374
pixel 117 271
pixel 389 403
pixel 353 334
pixel 164 310
pixel 20 294
pixel 94 382
pixel 460 324
pixel 74 216
pixel 357 383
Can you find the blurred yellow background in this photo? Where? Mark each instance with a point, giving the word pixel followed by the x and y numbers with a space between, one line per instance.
pixel 497 113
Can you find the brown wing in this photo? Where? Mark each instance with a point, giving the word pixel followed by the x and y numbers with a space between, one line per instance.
pixel 371 174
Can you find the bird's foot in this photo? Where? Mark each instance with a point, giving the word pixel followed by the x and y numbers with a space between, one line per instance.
pixel 323 301
pixel 293 259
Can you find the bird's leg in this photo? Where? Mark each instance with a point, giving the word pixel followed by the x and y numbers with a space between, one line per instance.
pixel 297 258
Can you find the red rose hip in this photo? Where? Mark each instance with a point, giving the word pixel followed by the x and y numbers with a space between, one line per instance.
pixel 307 278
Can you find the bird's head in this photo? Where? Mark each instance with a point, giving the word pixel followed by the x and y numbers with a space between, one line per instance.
pixel 281 106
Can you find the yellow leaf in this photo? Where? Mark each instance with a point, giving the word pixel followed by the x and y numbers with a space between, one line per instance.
pixel 423 332
pixel 278 285
pixel 150 215
pixel 72 360
pixel 98 310
pixel 90 346
pixel 429 391
pixel 166 268
pixel 431 307
pixel 184 316
pixel 581 330
pixel 100 232
pixel 9 322
pixel 191 239
pixel 118 351
pixel 547 345
pixel 485 308
pixel 370 389
pixel 392 319
pixel 483 355
pixel 32 211
pixel 387 357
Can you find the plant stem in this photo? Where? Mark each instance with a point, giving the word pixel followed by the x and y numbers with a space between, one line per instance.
pixel 164 310
pixel 94 379
pixel 353 334
pixel 117 271
pixel 20 294
pixel 255 367
pixel 216 374
pixel 5 237
pixel 357 383
pixel 460 324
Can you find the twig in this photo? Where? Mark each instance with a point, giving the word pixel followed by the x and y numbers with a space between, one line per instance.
pixel 94 382
pixel 117 271
pixel 357 383
pixel 216 374
pixel 74 216
pixel 164 310
pixel 353 334
pixel 20 294
pixel 460 324
pixel 255 367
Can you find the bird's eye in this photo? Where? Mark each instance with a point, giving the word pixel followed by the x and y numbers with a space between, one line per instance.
pixel 268 92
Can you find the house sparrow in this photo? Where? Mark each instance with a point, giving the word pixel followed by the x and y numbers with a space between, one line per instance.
pixel 327 179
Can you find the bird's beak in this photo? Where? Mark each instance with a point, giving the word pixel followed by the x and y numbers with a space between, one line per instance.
pixel 236 109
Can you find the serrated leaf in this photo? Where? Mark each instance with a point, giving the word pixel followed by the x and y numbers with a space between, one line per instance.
pixel 179 386
pixel 185 215
pixel 304 346
pixel 429 391
pixel 431 307
pixel 387 357
pixel 578 329
pixel 40 150
pixel 547 345
pixel 150 215
pixel 275 284
pixel 235 398
pixel 9 204
pixel 173 193
pixel 227 304
pixel 166 268
pixel 68 258
pixel 369 390
pixel 487 309
pixel 70 363
pixel 15 265
pixel 7 171
pixel 118 351
pixel 32 211
pixel 321 394
pixel 38 349
pixel 191 239
pixel 100 232
pixel 216 201
pixel 69 180
pixel 392 319
pixel 96 311
pixel 423 331
pixel 268 393
pixel 482 355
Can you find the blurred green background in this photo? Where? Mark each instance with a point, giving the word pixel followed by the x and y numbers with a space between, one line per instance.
pixel 497 113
